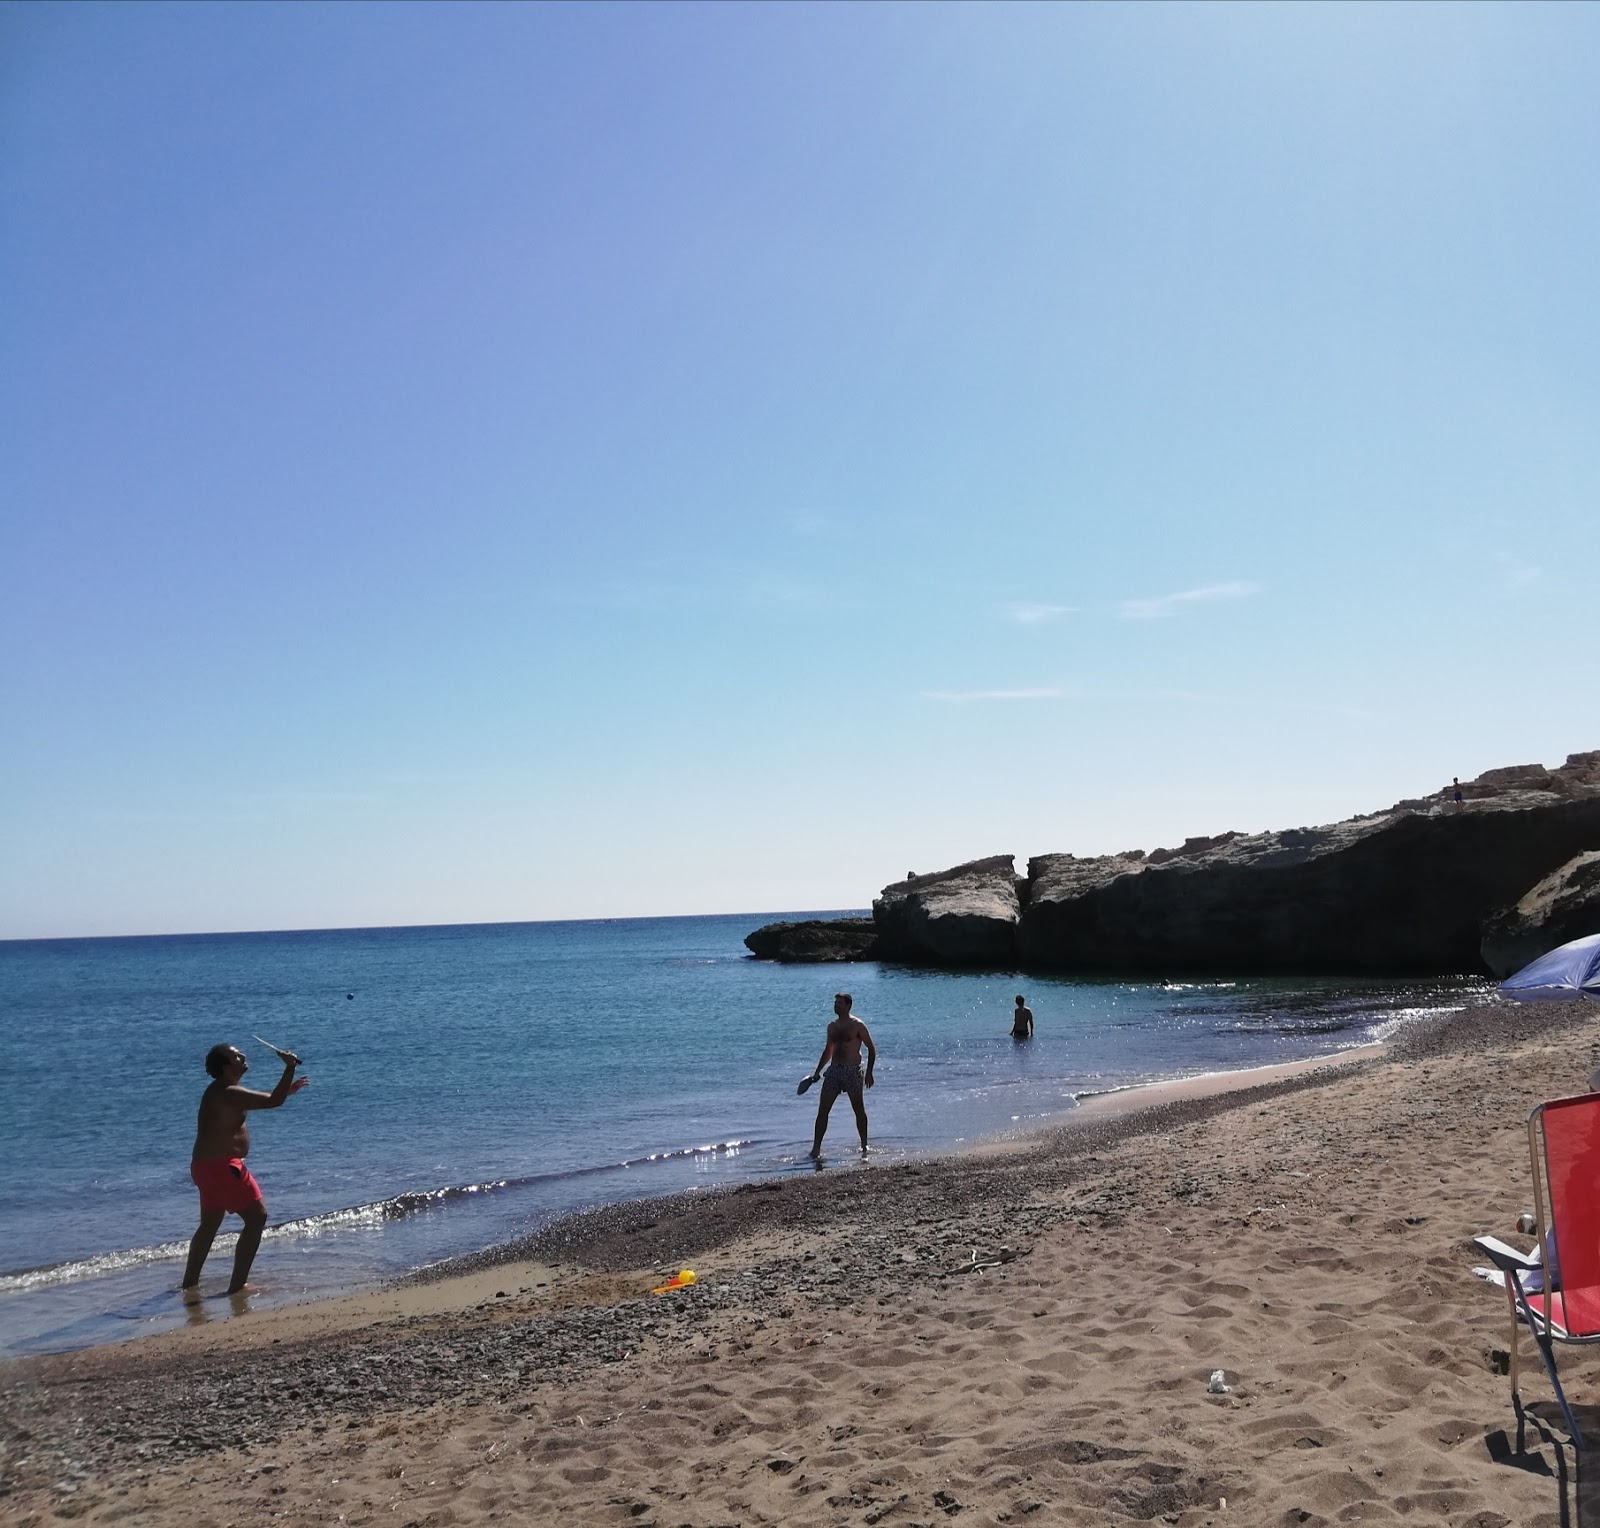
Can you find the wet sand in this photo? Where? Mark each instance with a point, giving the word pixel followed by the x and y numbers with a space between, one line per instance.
pixel 1003 1336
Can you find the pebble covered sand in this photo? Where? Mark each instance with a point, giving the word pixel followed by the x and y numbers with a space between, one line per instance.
pixel 1017 1335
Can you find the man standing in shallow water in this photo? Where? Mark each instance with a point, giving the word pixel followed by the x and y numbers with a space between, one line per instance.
pixel 842 1057
pixel 221 1143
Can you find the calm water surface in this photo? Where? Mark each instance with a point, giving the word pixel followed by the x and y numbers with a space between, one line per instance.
pixel 471 1083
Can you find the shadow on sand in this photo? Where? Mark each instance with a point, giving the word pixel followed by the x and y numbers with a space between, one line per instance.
pixel 1576 1475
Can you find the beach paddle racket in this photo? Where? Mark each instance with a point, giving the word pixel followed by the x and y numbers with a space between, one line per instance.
pixel 805 1082
pixel 277 1050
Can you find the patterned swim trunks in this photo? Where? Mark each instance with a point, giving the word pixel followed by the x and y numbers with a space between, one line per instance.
pixel 841 1077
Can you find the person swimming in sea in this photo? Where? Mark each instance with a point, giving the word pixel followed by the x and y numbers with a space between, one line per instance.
pixel 841 1056
pixel 1022 1021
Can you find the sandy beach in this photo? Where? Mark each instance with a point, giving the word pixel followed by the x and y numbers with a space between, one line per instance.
pixel 1007 1336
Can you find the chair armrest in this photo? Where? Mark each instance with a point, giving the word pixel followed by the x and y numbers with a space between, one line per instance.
pixel 1507 1259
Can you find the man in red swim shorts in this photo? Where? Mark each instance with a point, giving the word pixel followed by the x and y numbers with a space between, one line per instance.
pixel 221 1142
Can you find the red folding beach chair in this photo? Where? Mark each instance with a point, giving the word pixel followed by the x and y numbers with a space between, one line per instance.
pixel 1559 1302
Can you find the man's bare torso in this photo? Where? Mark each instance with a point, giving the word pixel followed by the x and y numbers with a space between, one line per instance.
pixel 222 1129
pixel 846 1036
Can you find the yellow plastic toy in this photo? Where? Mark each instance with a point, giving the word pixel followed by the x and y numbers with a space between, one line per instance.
pixel 680 1280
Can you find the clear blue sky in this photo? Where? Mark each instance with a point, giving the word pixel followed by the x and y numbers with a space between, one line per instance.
pixel 497 462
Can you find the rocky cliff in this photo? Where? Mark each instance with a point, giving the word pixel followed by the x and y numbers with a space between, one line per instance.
pixel 1407 890
pixel 1565 905
pixel 1398 893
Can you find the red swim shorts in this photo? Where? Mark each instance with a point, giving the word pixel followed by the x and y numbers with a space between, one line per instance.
pixel 225 1184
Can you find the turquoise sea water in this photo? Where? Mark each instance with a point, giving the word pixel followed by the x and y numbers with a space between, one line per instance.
pixel 472 1083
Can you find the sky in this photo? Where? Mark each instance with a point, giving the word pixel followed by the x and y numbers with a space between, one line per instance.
pixel 493 462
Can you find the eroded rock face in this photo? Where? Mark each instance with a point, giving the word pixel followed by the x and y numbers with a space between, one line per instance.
pixel 815 941
pixel 964 916
pixel 1565 905
pixel 1390 893
pixel 1407 890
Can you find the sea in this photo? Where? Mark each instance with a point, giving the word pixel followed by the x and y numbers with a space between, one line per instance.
pixel 470 1084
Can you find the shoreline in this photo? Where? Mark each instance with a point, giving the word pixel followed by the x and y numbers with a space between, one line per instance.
pixel 1027 1327
pixel 1146 1095
pixel 574 1232
pixel 1113 1103
pixel 457 1285
pixel 373 1300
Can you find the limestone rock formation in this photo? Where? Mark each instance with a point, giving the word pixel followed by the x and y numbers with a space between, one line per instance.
pixel 1565 905
pixel 1402 891
pixel 1527 784
pixel 1391 893
pixel 964 916
pixel 1407 890
pixel 815 941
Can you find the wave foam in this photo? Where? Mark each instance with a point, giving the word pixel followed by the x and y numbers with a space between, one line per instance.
pixel 354 1217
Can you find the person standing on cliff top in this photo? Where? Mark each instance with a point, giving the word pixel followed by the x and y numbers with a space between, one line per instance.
pixel 221 1143
pixel 841 1054
pixel 1022 1021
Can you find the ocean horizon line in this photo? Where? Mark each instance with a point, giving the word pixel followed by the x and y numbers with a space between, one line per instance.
pixel 415 928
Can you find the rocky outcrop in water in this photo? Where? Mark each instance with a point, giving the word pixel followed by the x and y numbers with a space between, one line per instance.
pixel 1564 905
pixel 964 916
pixel 815 941
pixel 1395 893
pixel 1407 890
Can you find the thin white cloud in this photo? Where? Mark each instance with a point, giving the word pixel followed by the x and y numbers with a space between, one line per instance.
pixel 1520 574
pixel 627 593
pixel 777 593
pixel 251 807
pixel 757 590
pixel 964 697
pixel 1037 615
pixel 309 798
pixel 1165 605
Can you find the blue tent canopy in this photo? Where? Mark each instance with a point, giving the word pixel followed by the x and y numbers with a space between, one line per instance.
pixel 1569 972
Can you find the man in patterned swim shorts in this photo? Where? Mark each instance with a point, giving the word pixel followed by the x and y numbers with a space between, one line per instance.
pixel 222 1139
pixel 842 1057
